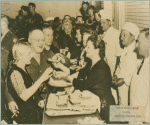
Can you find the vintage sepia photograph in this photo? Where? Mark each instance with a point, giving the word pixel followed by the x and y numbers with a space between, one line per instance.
pixel 74 62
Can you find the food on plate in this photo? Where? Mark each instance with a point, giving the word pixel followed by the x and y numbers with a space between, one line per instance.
pixel 60 58
pixel 62 102
pixel 75 101
pixel 58 83
pixel 61 93
pixel 52 60
pixel 69 90
pixel 75 94
pixel 86 94
pixel 63 97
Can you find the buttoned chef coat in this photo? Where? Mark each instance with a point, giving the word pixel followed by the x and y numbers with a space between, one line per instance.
pixel 113 49
pixel 125 70
pixel 139 89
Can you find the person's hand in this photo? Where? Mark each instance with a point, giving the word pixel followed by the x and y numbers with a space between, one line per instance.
pixel 120 82
pixel 58 57
pixel 69 90
pixel 64 51
pixel 41 103
pixel 73 61
pixel 68 55
pixel 114 79
pixel 117 81
pixel 82 53
pixel 47 74
pixel 13 107
pixel 57 65
pixel 60 75
pixel 79 68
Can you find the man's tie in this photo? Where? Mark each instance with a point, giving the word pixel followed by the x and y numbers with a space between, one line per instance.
pixel 140 67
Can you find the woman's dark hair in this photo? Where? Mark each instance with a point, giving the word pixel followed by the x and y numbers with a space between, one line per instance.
pixel 25 8
pixel 98 45
pixel 32 4
pixel 87 3
pixel 79 17
pixel 96 11
pixel 19 12
pixel 67 15
pixel 91 7
pixel 56 23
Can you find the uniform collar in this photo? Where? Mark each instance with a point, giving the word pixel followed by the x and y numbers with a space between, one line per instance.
pixel 36 56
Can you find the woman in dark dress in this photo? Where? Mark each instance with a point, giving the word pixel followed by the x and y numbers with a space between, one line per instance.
pixel 20 84
pixel 96 77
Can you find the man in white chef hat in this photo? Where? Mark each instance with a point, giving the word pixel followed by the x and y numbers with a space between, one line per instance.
pixel 111 39
pixel 128 61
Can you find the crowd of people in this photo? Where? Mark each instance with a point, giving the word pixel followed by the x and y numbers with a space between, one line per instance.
pixel 112 65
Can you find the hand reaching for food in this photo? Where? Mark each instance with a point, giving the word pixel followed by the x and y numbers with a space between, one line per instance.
pixel 41 103
pixel 59 75
pixel 57 58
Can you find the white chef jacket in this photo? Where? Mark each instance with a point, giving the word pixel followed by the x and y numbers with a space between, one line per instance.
pixel 125 70
pixel 113 49
pixel 128 63
pixel 139 89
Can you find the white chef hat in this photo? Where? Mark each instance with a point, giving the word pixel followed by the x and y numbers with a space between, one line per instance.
pixel 105 15
pixel 132 28
pixel 49 18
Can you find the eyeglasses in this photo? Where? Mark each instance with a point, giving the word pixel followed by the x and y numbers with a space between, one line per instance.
pixel 37 40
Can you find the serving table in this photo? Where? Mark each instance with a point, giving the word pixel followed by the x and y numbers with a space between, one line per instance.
pixel 70 114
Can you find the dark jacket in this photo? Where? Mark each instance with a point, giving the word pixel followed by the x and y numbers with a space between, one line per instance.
pixel 7 43
pixel 35 21
pixel 98 81
pixel 70 43
pixel 36 70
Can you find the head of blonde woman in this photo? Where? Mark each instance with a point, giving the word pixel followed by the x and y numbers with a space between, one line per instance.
pixel 22 53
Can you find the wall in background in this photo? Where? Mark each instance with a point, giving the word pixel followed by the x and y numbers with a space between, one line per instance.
pixel 45 8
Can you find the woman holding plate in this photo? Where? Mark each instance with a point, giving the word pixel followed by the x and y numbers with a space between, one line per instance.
pixel 96 77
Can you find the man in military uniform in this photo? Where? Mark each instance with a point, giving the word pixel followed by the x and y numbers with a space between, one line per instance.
pixel 51 46
pixel 35 19
pixel 8 37
pixel 23 25
pixel 38 65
